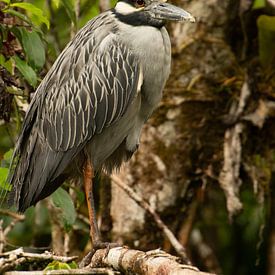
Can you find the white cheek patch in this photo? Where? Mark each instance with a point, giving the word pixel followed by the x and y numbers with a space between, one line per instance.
pixel 125 8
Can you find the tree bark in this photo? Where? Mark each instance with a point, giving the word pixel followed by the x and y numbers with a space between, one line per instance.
pixel 185 135
pixel 213 113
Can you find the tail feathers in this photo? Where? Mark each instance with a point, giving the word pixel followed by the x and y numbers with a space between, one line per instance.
pixel 39 172
pixel 22 166
pixel 40 177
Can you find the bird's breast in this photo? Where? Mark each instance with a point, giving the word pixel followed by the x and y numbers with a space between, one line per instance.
pixel 153 50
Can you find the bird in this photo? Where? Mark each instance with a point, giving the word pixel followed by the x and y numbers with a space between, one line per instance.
pixel 88 112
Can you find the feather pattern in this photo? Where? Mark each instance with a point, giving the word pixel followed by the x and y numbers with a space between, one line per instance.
pixel 88 89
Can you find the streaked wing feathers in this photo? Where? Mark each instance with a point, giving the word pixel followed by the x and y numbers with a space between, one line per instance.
pixel 92 98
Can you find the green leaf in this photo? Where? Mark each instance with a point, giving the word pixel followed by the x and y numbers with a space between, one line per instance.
pixel 36 13
pixel 56 265
pixel 266 33
pixel 62 200
pixel 33 47
pixel 7 64
pixel 8 155
pixel 19 15
pixel 27 71
pixel 258 4
pixel 7 159
pixel 73 265
pixel 3 179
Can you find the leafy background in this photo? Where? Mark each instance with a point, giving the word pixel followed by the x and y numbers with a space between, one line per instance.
pixel 33 33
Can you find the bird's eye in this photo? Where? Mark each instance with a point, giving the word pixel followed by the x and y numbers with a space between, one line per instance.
pixel 139 3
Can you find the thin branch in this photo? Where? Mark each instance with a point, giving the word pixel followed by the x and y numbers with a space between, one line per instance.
pixel 14 215
pixel 11 259
pixel 229 177
pixel 146 206
pixel 5 231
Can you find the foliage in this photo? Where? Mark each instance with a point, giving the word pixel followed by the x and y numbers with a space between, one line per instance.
pixel 4 170
pixel 258 4
pixel 56 265
pixel 25 57
pixel 266 34
pixel 63 201
pixel 266 28
pixel 29 40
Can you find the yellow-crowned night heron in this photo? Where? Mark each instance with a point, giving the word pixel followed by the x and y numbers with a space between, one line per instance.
pixel 88 112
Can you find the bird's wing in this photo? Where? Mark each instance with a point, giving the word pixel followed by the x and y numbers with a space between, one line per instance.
pixel 92 97
pixel 88 88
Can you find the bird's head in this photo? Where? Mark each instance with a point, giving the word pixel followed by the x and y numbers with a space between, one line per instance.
pixel 150 12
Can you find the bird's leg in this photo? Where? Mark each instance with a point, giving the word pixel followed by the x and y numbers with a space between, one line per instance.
pixel 94 232
pixel 88 186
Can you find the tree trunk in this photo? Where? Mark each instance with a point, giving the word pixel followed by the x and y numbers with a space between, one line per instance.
pixel 197 137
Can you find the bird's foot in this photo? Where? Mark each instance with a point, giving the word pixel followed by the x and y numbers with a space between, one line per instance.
pixel 97 245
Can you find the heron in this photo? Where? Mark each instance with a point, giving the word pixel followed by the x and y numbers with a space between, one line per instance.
pixel 88 112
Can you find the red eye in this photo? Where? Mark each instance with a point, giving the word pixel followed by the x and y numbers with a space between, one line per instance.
pixel 140 3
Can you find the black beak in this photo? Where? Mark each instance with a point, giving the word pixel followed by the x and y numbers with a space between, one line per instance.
pixel 168 12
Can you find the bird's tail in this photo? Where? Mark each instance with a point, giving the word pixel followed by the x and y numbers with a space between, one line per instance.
pixel 31 169
pixel 19 171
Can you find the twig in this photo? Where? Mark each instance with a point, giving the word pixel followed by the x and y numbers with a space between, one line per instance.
pixel 43 256
pixel 5 231
pixel 141 202
pixel 130 261
pixel 83 218
pixel 229 176
pixel 12 214
pixel 11 259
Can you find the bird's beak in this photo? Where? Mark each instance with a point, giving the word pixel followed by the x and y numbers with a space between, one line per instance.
pixel 169 12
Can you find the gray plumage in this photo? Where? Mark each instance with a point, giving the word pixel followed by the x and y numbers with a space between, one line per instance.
pixel 92 104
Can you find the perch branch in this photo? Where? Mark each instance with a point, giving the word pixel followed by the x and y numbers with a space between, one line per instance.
pixel 130 261
pixel 146 206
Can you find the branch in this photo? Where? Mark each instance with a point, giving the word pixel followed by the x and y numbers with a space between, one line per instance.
pixel 4 232
pixel 146 206
pixel 11 259
pixel 229 177
pixel 12 214
pixel 130 261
